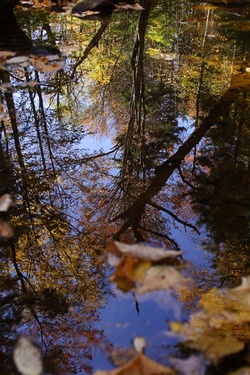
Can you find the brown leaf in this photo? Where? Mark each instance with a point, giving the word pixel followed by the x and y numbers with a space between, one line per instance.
pixel 128 271
pixel 140 365
pixel 5 229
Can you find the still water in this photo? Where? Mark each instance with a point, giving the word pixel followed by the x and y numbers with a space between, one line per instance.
pixel 138 130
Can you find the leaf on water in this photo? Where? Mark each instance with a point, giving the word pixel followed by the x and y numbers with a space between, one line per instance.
pixel 139 251
pixel 140 365
pixel 213 344
pixel 161 278
pixel 221 327
pixel 140 344
pixel 216 347
pixel 128 271
pixel 7 54
pixel 124 6
pixel 193 365
pixel 17 60
pixel 5 229
pixel 241 371
pixel 5 200
pixel 45 65
pixel 2 117
pixel 27 357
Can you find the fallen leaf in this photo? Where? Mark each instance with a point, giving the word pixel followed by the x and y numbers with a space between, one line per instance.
pixel 27 357
pixel 7 54
pixel 161 278
pixel 128 271
pixel 5 202
pixel 5 229
pixel 17 60
pixel 216 347
pixel 241 371
pixel 139 251
pixel 140 365
pixel 213 344
pixel 139 344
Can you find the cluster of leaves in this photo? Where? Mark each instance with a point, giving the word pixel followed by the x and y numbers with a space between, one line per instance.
pixel 49 63
pixel 219 328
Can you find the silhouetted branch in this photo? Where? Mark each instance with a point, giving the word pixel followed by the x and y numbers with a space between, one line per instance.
pixel 165 170
pixel 93 43
pixel 184 180
pixel 175 217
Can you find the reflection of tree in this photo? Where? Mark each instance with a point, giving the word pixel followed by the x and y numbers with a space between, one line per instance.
pixel 223 187
pixel 53 263
pixel 134 213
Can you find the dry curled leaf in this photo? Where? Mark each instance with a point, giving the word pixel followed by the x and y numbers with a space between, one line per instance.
pixel 139 251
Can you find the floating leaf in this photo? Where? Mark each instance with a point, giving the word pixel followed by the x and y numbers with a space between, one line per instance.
pixel 5 229
pixel 139 344
pixel 5 202
pixel 7 54
pixel 17 60
pixel 27 357
pixel 241 371
pixel 129 271
pixel 161 278
pixel 140 365
pixel 213 344
pixel 141 251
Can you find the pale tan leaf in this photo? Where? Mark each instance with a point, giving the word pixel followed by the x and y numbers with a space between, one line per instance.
pixel 141 251
pixel 7 54
pixel 17 59
pixel 140 344
pixel 5 202
pixel 161 278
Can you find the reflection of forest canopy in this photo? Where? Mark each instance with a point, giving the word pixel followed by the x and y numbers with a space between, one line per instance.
pixel 69 201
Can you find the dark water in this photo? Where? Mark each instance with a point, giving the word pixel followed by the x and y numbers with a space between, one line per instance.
pixel 138 131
